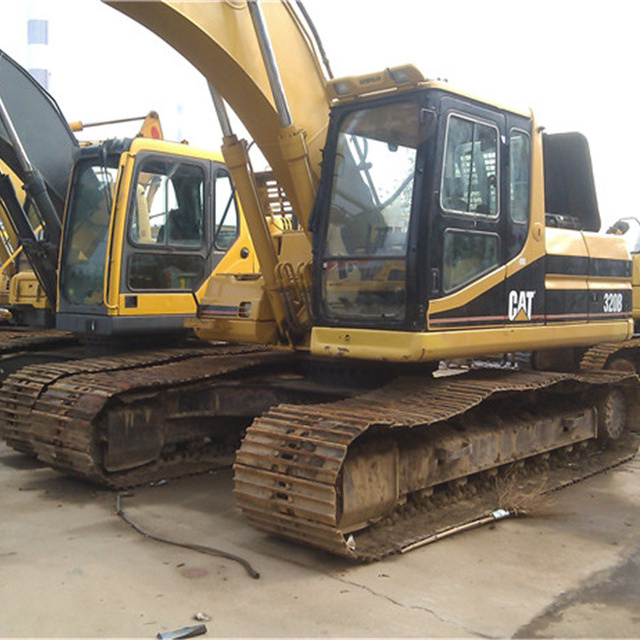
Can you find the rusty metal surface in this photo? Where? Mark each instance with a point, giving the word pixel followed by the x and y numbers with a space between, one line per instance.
pixel 14 339
pixel 65 413
pixel 302 472
pixel 600 356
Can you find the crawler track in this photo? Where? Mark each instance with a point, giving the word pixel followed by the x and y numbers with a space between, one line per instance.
pixel 126 420
pixel 332 475
pixel 14 339
pixel 23 346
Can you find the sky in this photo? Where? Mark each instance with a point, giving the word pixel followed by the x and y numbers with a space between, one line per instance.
pixel 573 62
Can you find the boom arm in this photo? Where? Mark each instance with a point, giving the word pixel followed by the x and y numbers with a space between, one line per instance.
pixel 44 134
pixel 37 145
pixel 219 39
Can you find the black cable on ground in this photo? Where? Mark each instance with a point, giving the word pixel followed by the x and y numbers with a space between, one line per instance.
pixel 193 547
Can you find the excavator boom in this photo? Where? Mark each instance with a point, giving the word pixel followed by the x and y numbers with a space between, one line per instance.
pixel 219 39
pixel 33 111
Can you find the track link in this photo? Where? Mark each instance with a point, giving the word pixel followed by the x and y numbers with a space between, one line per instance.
pixel 621 355
pixel 325 474
pixel 105 419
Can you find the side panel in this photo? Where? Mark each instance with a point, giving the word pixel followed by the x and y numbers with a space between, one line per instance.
pixel 567 274
pixel 522 299
pixel 610 270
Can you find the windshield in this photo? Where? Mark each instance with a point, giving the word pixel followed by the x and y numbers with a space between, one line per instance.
pixel 369 212
pixel 87 226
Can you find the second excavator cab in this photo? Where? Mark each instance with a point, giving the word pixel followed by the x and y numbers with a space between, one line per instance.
pixel 146 221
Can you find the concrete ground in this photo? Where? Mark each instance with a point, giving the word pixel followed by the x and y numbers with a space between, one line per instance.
pixel 69 566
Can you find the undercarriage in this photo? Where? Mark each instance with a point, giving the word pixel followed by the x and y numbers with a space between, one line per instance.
pixel 356 472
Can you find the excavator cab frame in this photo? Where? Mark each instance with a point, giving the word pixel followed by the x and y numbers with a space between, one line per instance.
pixel 443 184
pixel 365 215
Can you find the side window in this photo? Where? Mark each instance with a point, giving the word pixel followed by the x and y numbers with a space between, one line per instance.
pixel 467 255
pixel 166 226
pixel 169 204
pixel 226 212
pixel 470 172
pixel 519 167
pixel 156 271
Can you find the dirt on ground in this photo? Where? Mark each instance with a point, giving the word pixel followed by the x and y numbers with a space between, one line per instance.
pixel 71 567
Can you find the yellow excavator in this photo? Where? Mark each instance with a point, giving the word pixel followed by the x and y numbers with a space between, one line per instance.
pixel 180 204
pixel 22 298
pixel 429 225
pixel 143 222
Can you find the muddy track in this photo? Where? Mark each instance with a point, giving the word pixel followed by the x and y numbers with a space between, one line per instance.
pixel 14 339
pixel 97 418
pixel 325 474
pixel 602 356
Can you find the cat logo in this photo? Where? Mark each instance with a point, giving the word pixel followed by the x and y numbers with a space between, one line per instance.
pixel 520 305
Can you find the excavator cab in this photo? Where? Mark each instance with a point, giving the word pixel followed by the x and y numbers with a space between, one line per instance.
pixel 145 221
pixel 429 222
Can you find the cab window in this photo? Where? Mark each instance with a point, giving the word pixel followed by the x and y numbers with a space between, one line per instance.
pixel 467 255
pixel 519 167
pixel 166 226
pixel 226 212
pixel 470 172
pixel 169 204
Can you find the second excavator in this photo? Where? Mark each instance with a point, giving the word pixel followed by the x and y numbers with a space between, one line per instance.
pixel 143 221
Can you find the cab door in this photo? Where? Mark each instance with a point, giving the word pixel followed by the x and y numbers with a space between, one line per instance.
pixel 181 220
pixel 469 232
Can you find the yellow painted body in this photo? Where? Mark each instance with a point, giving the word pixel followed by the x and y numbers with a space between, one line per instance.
pixel 24 289
pixel 162 302
pixel 255 321
pixel 536 334
pixel 437 343
pixel 219 39
pixel 405 346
